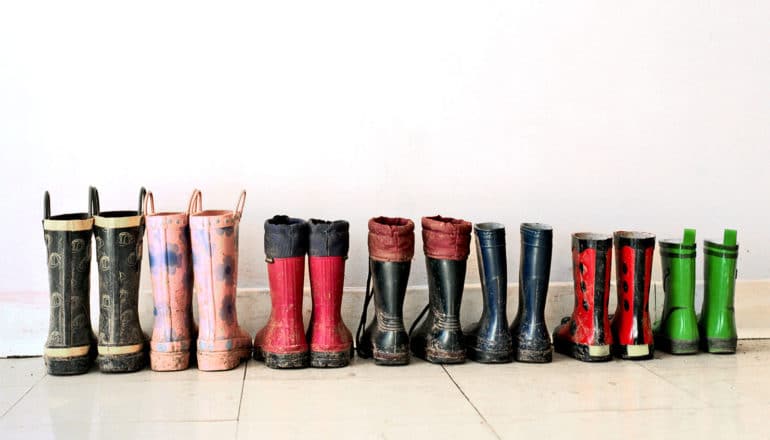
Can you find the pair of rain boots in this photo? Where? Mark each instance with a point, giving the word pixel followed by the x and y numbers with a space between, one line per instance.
pixel 679 330
pixel 590 334
pixel 71 346
pixel 195 249
pixel 283 343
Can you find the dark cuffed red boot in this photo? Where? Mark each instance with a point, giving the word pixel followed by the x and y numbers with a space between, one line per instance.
pixel 331 343
pixel 586 334
pixel 282 343
pixel 631 326
pixel 446 242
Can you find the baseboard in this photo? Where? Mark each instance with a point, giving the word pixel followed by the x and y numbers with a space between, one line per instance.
pixel 24 316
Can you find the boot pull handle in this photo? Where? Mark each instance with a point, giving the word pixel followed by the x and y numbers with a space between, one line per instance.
pixel 149 202
pixel 93 201
pixel 46 206
pixel 142 193
pixel 368 294
pixel 196 202
pixel 239 206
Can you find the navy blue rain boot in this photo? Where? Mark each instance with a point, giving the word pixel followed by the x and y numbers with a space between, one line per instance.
pixel 489 340
pixel 531 341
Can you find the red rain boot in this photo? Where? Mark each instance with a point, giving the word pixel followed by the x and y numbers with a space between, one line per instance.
pixel 281 343
pixel 631 328
pixel 214 237
pixel 331 343
pixel 586 334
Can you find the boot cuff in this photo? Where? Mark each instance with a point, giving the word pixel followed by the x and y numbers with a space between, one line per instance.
pixel 634 239
pixel 585 240
pixel 329 239
pixel 391 239
pixel 285 237
pixel 490 234
pixel 536 234
pixel 446 237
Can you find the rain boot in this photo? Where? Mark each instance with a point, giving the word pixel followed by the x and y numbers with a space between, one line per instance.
pixel 631 324
pixel 168 244
pixel 716 323
pixel 222 344
pixel 489 340
pixel 531 341
pixel 282 343
pixel 331 343
pixel 586 334
pixel 391 248
pixel 71 346
pixel 677 330
pixel 446 242
pixel 122 344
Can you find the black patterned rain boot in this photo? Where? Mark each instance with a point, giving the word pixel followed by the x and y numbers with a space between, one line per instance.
pixel 122 345
pixel 71 346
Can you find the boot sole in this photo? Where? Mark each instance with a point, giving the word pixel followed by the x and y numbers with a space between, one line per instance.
pixel 534 356
pixel 444 357
pixel 387 359
pixel 719 346
pixel 585 353
pixel 122 363
pixel 68 366
pixel 489 356
pixel 674 346
pixel 221 360
pixel 330 359
pixel 169 361
pixel 283 361
pixel 638 352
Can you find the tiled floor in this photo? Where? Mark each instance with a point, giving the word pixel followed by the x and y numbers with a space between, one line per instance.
pixel 702 396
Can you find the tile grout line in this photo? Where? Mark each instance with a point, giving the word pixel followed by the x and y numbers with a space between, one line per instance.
pixel 243 385
pixel 486 422
pixel 23 395
pixel 664 379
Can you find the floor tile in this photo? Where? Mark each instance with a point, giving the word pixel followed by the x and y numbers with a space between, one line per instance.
pixel 128 431
pixel 21 372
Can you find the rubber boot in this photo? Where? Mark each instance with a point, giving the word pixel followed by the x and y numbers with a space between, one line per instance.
pixel 631 325
pixel 168 244
pixel 71 346
pixel 122 344
pixel 331 343
pixel 282 343
pixel 586 334
pixel 718 333
pixel 677 330
pixel 489 340
pixel 446 242
pixel 531 341
pixel 391 248
pixel 222 343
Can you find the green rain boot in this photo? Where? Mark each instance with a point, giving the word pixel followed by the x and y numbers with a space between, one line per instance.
pixel 677 330
pixel 717 319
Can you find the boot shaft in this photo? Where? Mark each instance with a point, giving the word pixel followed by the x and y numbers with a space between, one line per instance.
pixel 677 261
pixel 493 271
pixel 591 264
pixel 720 272
pixel 534 271
pixel 286 243
pixel 446 243
pixel 68 255
pixel 328 250
pixel 391 248
pixel 633 267
pixel 119 236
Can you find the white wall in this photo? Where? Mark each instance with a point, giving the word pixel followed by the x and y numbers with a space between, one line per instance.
pixel 585 115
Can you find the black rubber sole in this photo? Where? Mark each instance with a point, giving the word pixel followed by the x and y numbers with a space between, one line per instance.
pixel 719 346
pixel 122 363
pixel 283 361
pixel 678 347
pixel 435 356
pixel 579 351
pixel 330 359
pixel 543 356
pixel 68 366
pixel 627 353
pixel 489 356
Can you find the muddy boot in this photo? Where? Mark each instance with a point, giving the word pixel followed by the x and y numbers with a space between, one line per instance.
pixel 446 242
pixel 331 343
pixel 677 330
pixel 222 344
pixel 586 334
pixel 489 340
pixel 531 341
pixel 168 244
pixel 631 326
pixel 282 343
pixel 71 347
pixel 716 323
pixel 391 248
pixel 122 344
